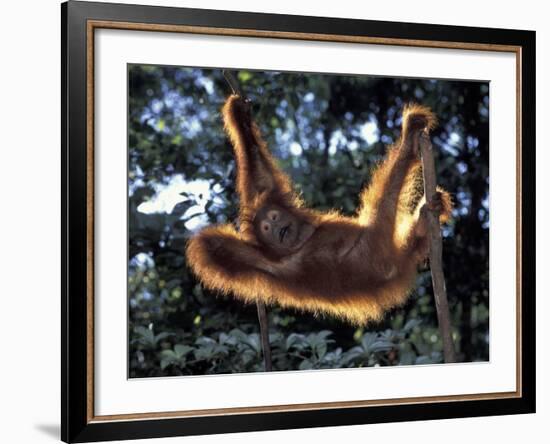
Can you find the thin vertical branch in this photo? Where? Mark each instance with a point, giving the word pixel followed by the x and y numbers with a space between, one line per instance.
pixel 262 311
pixel 264 335
pixel 233 83
pixel 436 253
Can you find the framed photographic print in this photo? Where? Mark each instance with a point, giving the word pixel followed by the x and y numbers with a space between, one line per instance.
pixel 276 221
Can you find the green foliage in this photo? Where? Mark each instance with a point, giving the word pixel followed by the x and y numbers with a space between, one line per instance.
pixel 328 131
pixel 238 351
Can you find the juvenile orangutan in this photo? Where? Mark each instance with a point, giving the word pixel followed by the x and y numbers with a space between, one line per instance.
pixel 354 268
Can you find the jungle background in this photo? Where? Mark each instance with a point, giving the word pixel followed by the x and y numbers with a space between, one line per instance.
pixel 327 132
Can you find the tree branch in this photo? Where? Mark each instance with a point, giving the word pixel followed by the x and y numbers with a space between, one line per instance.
pixel 233 83
pixel 264 334
pixel 436 252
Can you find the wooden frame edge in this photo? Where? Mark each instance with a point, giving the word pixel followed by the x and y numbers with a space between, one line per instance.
pixel 90 254
pixel 283 408
pixel 337 38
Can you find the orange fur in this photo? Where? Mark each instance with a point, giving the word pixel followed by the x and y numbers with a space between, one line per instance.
pixel 354 268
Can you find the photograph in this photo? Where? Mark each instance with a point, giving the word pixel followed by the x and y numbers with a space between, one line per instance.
pixel 278 221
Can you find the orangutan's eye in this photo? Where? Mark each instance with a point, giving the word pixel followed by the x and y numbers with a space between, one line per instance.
pixel 273 215
pixel 265 227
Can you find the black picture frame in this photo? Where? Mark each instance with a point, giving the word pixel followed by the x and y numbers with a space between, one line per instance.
pixel 77 425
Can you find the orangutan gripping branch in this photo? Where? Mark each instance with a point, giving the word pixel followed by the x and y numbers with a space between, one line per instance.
pixel 354 268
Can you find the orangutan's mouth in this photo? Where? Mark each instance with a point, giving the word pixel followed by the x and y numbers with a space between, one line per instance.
pixel 283 233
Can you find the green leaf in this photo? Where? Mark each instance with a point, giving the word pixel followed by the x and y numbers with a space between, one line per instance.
pixel 204 341
pixel 244 76
pixel 168 354
pixel 146 336
pixel 381 345
pixel 253 340
pixel 306 365
pixel 423 360
pixel 204 353
pixel 412 323
pixel 182 350
pixel 165 363
pixel 407 357
pixel 239 335
pixel 294 340
pixel 321 350
pixel 353 354
pixel 162 336
pixel 367 341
